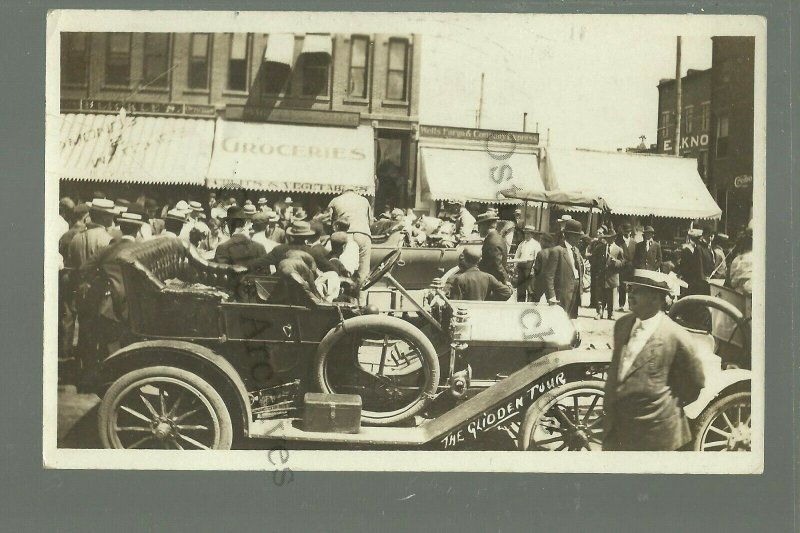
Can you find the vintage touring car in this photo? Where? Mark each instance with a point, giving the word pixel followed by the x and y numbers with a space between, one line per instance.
pixel 219 356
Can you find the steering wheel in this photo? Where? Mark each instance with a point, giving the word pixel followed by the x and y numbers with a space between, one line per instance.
pixel 386 265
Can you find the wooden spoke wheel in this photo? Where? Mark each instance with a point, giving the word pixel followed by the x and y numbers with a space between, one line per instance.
pixel 725 425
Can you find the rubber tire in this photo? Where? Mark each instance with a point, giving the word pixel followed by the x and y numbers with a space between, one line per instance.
pixel 700 423
pixel 105 416
pixel 538 408
pixel 408 333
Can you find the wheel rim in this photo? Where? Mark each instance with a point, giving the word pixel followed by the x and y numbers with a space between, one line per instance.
pixel 728 430
pixel 571 422
pixel 385 391
pixel 163 413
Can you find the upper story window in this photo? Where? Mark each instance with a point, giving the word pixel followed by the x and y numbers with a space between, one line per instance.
pixel 315 74
pixel 198 60
pixel 397 77
pixel 118 59
pixel 665 117
pixel 237 62
pixel 705 116
pixel 359 70
pixel 722 136
pixel 74 58
pixel 688 119
pixel 156 60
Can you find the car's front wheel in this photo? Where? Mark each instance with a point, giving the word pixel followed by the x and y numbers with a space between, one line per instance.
pixel 164 407
pixel 725 425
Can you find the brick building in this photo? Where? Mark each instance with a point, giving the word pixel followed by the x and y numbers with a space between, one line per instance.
pixel 731 161
pixel 322 82
pixel 695 118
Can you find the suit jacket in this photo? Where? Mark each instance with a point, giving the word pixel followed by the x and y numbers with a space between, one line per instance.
pixel 493 256
pixel 105 260
pixel 472 284
pixel 697 263
pixel 538 273
pixel 559 279
pixel 610 266
pixel 644 410
pixel 239 250
pixel 647 259
pixel 627 255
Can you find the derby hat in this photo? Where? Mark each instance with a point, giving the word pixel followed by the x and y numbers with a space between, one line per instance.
pixel 650 279
pixel 648 229
pixel 300 228
pixel 236 213
pixel 573 226
pixel 609 233
pixel 488 216
pixel 625 227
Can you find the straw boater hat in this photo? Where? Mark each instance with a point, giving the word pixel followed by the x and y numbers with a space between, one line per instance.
pixel 272 216
pixel 650 279
pixel 300 228
pixel 529 229
pixel 195 206
pixel 130 217
pixel 262 201
pixel 564 218
pixel 488 216
pixel 176 214
pixel 249 210
pixel 103 205
pixel 183 206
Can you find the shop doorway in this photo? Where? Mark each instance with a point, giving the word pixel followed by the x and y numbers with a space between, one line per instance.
pixel 395 186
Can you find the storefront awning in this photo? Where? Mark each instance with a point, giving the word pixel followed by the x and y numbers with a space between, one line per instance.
pixel 280 48
pixel 474 175
pixel 290 158
pixel 134 149
pixel 633 184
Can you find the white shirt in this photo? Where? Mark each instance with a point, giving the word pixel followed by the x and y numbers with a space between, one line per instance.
pixel 571 258
pixel 261 238
pixel 528 250
pixel 641 332
pixel 349 257
pixel 467 222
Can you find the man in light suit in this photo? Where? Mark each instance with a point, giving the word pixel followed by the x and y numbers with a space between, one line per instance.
pixel 648 252
pixel 654 373
pixel 563 271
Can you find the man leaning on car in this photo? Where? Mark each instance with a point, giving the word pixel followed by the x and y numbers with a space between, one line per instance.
pixel 654 373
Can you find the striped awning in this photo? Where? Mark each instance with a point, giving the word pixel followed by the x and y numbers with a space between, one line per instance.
pixel 134 149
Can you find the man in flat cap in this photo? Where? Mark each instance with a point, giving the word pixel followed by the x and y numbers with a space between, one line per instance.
pixel 470 283
pixel 654 373
pixel 563 272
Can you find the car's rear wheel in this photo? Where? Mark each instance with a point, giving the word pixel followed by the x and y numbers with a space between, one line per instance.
pixel 164 407
pixel 725 425
pixel 567 418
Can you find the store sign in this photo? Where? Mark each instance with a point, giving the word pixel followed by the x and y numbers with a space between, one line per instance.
pixel 136 108
pixel 687 143
pixel 447 132
pixel 743 181
pixel 317 117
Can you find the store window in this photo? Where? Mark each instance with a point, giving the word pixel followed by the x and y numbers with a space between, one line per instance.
pixel 397 77
pixel 74 58
pixel 315 74
pixel 237 62
pixel 199 48
pixel 156 60
pixel 722 136
pixel 118 59
pixel 705 117
pixel 359 73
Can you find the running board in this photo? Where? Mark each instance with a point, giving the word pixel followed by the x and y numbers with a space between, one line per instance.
pixel 429 430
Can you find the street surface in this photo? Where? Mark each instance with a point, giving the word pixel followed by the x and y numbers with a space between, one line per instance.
pixel 77 420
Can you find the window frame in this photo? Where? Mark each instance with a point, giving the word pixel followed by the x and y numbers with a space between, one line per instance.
pixel 147 85
pixel 705 116
pixel 323 96
pixel 688 119
pixel 192 60
pixel 85 59
pixel 366 68
pixel 717 136
pixel 406 69
pixel 247 60
pixel 106 82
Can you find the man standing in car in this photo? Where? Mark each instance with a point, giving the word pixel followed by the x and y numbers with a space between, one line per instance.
pixel 654 373
pixel 358 211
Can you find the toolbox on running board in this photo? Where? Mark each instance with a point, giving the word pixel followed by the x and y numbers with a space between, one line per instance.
pixel 332 413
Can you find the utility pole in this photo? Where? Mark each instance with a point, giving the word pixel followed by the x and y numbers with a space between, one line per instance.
pixel 678 98
pixel 480 105
pixel 525 121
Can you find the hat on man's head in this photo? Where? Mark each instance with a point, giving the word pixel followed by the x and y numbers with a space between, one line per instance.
pixel 103 205
pixel 249 210
pixel 625 227
pixel 650 279
pixel 183 205
pixel 299 214
pixel 195 206
pixel 260 218
pixel 517 211
pixel 573 226
pixel 300 228
pixel 648 229
pixel 529 229
pixel 131 218
pixel 236 213
pixel 563 218
pixel 272 216
pixel 176 214
pixel 488 216
pixel 609 233
pixel 288 200
pixel 262 201
pixel 248 202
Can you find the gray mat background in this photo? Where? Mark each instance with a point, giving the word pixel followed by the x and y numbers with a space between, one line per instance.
pixel 38 500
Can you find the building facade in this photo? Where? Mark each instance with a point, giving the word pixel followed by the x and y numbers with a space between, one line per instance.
pixel 731 161
pixel 695 118
pixel 306 79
